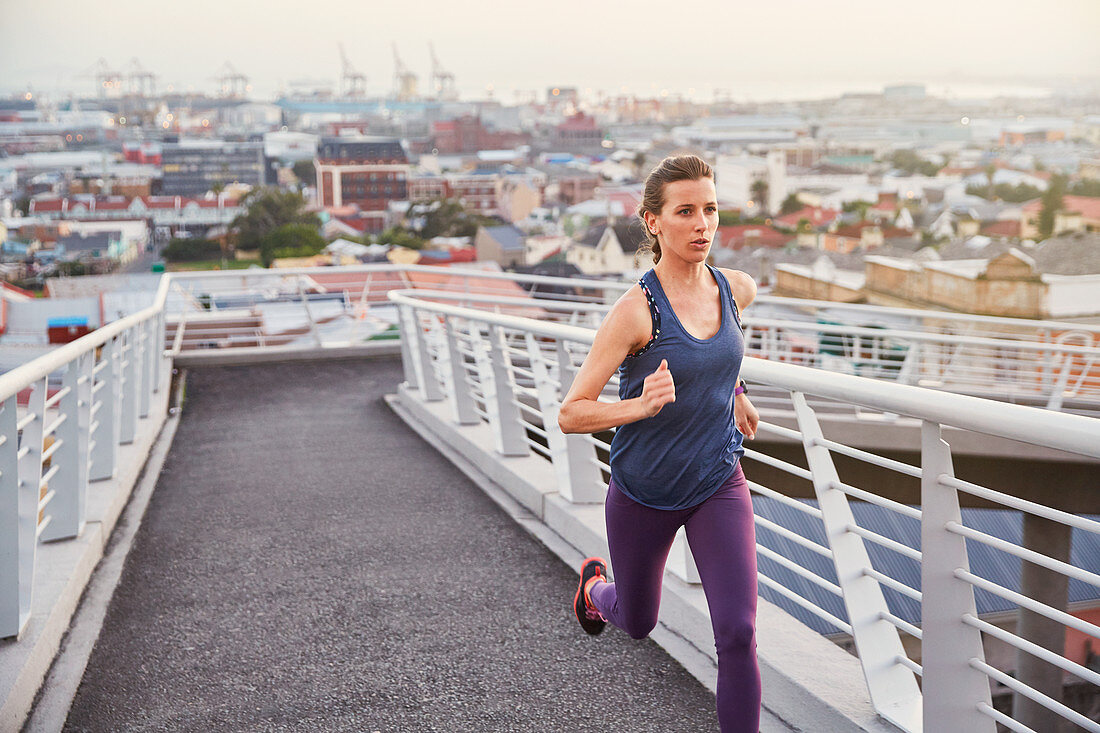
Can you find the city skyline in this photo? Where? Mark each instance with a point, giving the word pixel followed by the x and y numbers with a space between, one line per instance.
pixel 805 52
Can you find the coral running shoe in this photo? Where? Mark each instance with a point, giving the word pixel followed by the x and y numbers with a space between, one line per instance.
pixel 591 620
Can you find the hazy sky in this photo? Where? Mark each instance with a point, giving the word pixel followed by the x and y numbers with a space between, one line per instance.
pixel 755 50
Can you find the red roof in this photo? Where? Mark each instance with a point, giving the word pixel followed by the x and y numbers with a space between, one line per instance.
pixel 1087 206
pixel 629 199
pixel 853 230
pixel 357 223
pixel 579 121
pixel 816 215
pixel 736 237
pixel 1003 228
pixel 39 205
pixel 160 202
pixel 458 254
pixel 119 203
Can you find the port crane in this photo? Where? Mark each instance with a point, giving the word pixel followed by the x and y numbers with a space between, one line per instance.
pixel 139 81
pixel 233 84
pixel 443 81
pixel 352 82
pixel 404 81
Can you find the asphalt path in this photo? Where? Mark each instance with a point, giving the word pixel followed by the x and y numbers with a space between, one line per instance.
pixel 308 563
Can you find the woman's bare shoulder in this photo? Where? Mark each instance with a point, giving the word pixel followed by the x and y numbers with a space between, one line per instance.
pixel 629 318
pixel 742 285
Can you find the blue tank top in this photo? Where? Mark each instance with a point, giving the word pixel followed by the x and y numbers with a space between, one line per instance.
pixel 683 454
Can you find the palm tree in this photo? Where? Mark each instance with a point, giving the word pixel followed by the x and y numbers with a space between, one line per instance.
pixel 760 194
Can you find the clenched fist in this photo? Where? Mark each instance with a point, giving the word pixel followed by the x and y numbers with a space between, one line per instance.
pixel 658 390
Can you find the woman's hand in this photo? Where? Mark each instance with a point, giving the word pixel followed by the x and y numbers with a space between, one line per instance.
pixel 658 390
pixel 745 416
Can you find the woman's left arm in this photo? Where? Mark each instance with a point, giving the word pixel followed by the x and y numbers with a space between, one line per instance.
pixel 743 288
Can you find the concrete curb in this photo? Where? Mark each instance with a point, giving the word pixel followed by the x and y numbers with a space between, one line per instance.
pixel 792 656
pixel 63 570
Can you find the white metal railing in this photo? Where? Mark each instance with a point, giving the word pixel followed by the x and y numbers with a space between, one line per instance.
pixel 511 372
pixel 507 362
pixel 63 417
pixel 1040 363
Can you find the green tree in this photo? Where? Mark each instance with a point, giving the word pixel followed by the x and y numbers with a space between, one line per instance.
pixel 191 250
pixel 267 209
pixel 790 205
pixel 305 172
pixel 1006 192
pixel 290 240
pixel 910 162
pixel 401 238
pixel 728 218
pixel 1085 187
pixel 990 171
pixel 861 206
pixel 445 218
pixel 72 269
pixel 1052 203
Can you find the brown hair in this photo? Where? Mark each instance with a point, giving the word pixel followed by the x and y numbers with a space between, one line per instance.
pixel 671 169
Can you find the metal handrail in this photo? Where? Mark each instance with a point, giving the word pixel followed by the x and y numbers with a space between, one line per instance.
pixel 1072 433
pixel 18 378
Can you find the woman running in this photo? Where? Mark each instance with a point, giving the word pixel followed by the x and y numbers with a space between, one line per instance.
pixel 676 340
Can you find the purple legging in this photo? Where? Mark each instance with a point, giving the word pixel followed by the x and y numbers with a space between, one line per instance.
pixel 722 538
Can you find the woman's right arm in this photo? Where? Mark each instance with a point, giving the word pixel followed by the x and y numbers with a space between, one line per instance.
pixel 626 328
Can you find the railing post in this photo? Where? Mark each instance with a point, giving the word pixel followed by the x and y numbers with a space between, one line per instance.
pixel 18 515
pixel 406 340
pixel 160 346
pixel 894 690
pixel 70 483
pixel 149 351
pixel 309 313
pixel 106 409
pixel 566 371
pixel 130 386
pixel 29 459
pixel 462 402
pixel 426 380
pixel 910 371
pixel 952 688
pixel 574 456
pixel 496 384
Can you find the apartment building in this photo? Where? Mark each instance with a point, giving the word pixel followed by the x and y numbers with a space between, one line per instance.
pixel 192 168
pixel 368 172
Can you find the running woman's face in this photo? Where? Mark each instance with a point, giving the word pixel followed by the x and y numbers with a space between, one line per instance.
pixel 688 220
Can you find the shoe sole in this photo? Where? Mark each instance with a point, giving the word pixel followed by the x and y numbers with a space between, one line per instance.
pixel 590 626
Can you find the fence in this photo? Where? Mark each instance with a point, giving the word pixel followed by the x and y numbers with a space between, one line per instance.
pixel 63 417
pixel 1043 363
pixel 511 372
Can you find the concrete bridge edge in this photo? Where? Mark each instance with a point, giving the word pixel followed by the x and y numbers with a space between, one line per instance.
pixel 65 569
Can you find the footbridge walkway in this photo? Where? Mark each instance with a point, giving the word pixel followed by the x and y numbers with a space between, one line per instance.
pixel 343 539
